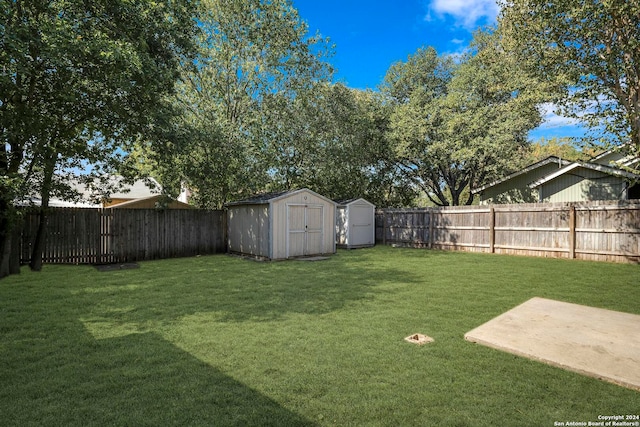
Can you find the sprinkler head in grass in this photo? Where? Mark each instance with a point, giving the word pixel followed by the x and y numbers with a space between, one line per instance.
pixel 419 339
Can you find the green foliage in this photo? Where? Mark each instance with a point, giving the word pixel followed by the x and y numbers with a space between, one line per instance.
pixel 74 70
pixel 565 148
pixel 332 139
pixel 79 81
pixel 591 50
pixel 459 124
pixel 257 112
pixel 223 341
pixel 249 51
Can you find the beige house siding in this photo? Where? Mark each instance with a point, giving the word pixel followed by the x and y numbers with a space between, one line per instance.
pixel 248 229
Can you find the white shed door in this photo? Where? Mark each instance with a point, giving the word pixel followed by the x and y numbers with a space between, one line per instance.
pixel 361 232
pixel 305 230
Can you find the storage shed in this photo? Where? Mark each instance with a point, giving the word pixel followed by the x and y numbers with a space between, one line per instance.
pixel 355 223
pixel 282 225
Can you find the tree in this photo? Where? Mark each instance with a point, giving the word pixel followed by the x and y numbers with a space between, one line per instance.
pixel 332 139
pixel 459 124
pixel 591 49
pixel 565 148
pixel 79 82
pixel 249 52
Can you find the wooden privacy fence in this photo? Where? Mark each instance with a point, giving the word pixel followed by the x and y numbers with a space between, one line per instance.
pixel 100 236
pixel 599 231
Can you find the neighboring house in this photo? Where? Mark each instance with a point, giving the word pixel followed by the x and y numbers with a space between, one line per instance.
pixel 151 202
pixel 141 194
pixel 139 189
pixel 558 180
pixel 514 188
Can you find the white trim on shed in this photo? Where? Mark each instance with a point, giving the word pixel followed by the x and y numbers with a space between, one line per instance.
pixel 282 225
pixel 355 223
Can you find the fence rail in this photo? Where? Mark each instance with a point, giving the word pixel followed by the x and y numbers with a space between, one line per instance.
pixel 599 231
pixel 596 231
pixel 102 236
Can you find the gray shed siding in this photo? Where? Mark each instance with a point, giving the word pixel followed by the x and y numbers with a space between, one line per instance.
pixel 288 225
pixel 248 229
pixel 355 224
pixel 287 214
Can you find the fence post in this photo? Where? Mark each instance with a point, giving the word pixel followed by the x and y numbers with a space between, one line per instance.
pixel 225 230
pixel 492 230
pixel 430 211
pixel 16 247
pixel 384 226
pixel 572 232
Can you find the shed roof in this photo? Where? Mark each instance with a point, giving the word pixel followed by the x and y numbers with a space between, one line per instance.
pixel 265 198
pixel 259 199
pixel 345 202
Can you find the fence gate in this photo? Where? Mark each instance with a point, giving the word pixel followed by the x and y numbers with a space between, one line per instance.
pixel 103 236
pixel 73 236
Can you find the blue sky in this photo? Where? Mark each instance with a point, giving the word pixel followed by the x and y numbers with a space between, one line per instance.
pixel 371 35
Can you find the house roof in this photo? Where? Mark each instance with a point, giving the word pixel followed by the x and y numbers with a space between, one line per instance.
pixel 91 198
pixel 54 202
pixel 533 166
pixel 138 189
pixel 265 198
pixel 156 197
pixel 592 166
pixel 618 155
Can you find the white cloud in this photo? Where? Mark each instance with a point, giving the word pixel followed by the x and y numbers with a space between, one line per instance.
pixel 550 119
pixel 555 125
pixel 466 12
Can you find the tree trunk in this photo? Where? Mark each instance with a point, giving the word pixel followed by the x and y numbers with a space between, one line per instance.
pixel 14 253
pixel 5 256
pixel 9 244
pixel 38 246
pixel 5 236
pixel 5 213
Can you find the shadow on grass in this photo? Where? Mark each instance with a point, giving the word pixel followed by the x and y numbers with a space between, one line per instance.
pixel 83 347
pixel 138 380
pixel 235 289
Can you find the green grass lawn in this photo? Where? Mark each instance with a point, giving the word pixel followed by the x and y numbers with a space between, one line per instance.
pixel 220 340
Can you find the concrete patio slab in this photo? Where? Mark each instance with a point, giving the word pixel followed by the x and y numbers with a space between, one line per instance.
pixel 592 341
